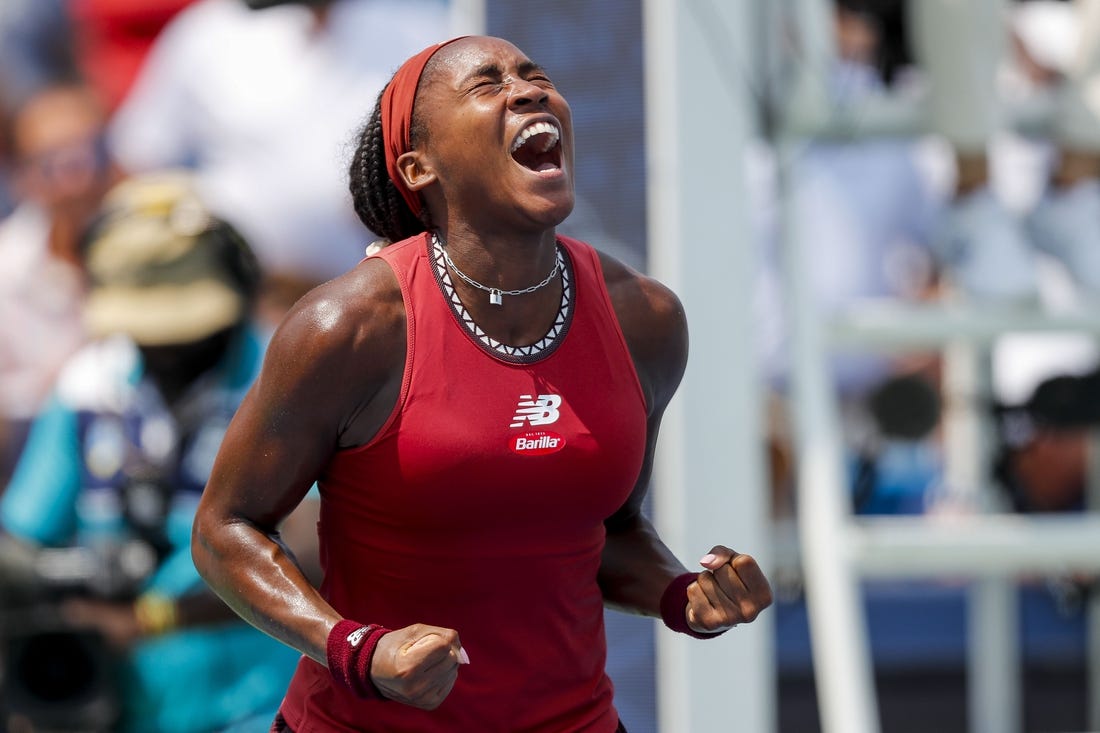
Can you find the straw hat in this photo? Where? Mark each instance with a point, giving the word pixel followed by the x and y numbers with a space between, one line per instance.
pixel 162 268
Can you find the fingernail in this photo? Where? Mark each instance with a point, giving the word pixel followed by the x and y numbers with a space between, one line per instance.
pixel 463 657
pixel 708 558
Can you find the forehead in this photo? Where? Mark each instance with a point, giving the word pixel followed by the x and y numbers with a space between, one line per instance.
pixel 470 55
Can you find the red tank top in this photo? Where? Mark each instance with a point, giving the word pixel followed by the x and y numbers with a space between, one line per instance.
pixel 479 506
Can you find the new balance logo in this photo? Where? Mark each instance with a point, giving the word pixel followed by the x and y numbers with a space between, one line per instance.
pixel 542 410
pixel 355 638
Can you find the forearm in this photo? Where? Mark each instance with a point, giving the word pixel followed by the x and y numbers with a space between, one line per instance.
pixel 636 568
pixel 258 578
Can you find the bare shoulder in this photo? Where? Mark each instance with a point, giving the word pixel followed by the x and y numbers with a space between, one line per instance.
pixel 654 324
pixel 636 295
pixel 340 346
pixel 351 312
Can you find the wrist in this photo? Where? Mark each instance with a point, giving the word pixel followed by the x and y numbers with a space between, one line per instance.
pixel 350 649
pixel 674 602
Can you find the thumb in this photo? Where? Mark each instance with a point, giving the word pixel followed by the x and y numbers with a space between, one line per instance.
pixel 717 557
pixel 423 640
pixel 463 657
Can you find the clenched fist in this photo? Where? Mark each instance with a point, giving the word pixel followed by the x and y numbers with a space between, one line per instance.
pixel 418 665
pixel 732 590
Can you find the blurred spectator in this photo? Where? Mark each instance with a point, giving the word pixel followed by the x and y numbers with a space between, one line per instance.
pixel 867 206
pixel 1024 223
pixel 1042 451
pixel 112 37
pixel 7 196
pixel 1000 199
pixel 116 462
pixel 987 62
pixel 262 103
pixel 866 210
pixel 61 172
pixel 34 53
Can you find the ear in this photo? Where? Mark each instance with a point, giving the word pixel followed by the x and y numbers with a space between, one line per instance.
pixel 415 170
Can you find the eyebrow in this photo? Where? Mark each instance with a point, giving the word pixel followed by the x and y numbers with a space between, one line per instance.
pixel 530 67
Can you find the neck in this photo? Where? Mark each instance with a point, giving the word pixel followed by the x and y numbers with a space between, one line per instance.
pixel 506 261
pixel 518 320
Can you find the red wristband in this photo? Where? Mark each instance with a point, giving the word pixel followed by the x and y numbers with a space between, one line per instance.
pixel 350 648
pixel 674 607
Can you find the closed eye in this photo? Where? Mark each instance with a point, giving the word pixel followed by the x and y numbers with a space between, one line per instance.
pixel 484 86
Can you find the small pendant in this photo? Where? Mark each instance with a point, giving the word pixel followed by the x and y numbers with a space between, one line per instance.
pixel 495 297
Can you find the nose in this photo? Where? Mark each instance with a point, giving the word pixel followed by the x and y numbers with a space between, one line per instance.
pixel 524 93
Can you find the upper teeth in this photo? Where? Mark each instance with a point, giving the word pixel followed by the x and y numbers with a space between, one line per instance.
pixel 539 128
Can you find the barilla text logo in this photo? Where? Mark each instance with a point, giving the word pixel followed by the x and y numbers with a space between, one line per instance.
pixel 537 443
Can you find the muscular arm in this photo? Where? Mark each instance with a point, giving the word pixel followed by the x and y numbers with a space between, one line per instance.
pixel 637 567
pixel 327 382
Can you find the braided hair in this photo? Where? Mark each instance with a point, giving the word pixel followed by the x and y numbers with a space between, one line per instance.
pixel 377 201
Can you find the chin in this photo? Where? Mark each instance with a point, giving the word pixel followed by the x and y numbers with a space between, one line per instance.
pixel 551 212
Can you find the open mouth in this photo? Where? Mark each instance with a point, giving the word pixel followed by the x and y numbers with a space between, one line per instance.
pixel 537 147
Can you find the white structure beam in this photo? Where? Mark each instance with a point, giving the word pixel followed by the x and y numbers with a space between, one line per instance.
pixel 709 481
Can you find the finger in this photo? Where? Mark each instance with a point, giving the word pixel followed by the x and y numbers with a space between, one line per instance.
pixel 435 645
pixel 746 587
pixel 425 697
pixel 422 642
pixel 718 556
pixel 741 578
pixel 711 596
pixel 434 697
pixel 751 575
pixel 435 682
pixel 730 585
pixel 705 611
pixel 438 647
pixel 725 601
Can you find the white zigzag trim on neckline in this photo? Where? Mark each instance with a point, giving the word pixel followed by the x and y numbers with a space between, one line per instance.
pixel 523 352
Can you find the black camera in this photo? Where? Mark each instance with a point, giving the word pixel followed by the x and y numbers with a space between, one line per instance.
pixel 56 677
pixel 53 676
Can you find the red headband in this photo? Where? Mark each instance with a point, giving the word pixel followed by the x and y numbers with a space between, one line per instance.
pixel 397 109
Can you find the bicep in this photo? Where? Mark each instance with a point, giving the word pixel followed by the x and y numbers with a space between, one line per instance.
pixel 272 453
pixel 325 367
pixel 655 330
pixel 281 436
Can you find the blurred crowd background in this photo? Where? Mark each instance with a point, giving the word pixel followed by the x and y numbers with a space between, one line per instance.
pixel 173 178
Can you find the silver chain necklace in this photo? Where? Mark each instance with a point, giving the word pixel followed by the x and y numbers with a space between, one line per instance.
pixel 495 294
